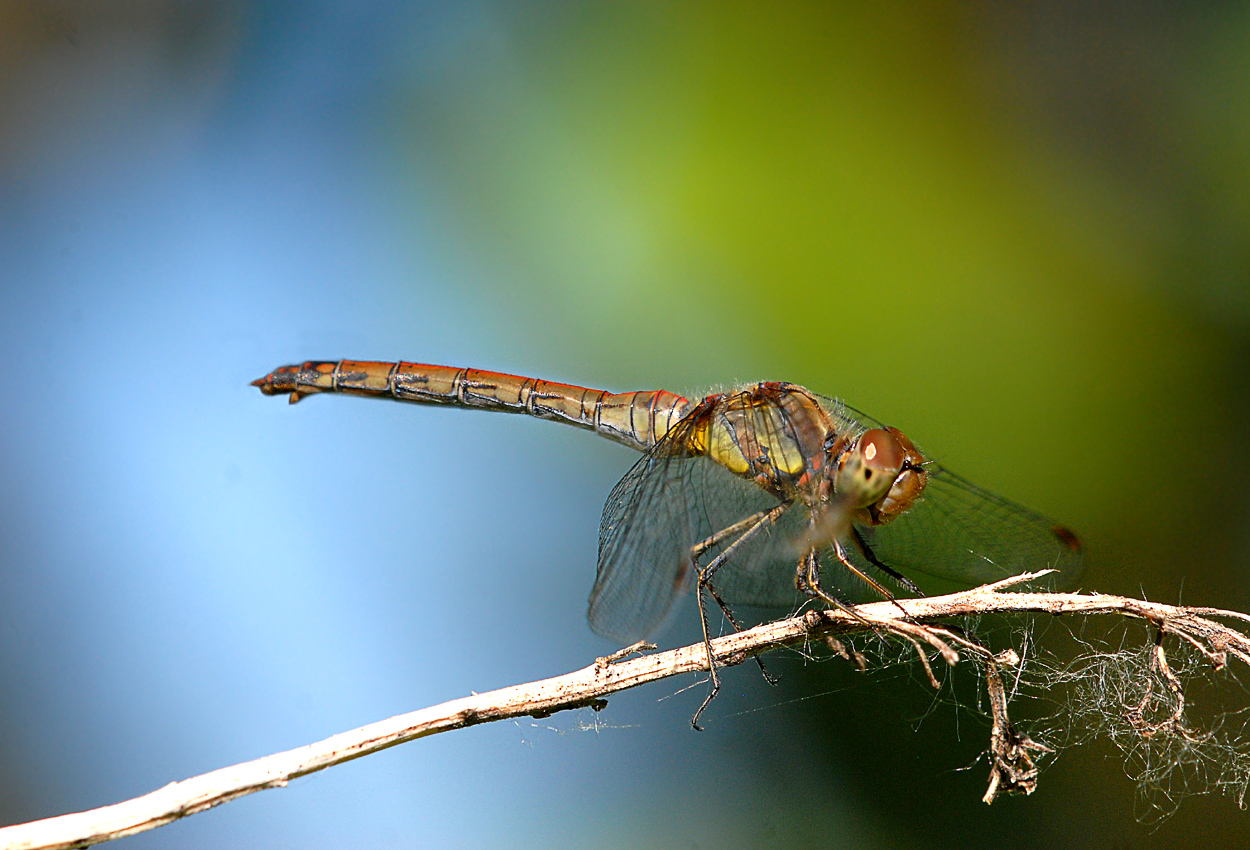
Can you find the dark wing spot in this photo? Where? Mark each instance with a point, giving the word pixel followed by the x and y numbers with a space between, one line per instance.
pixel 1067 537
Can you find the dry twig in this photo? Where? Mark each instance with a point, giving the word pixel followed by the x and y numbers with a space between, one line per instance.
pixel 1012 767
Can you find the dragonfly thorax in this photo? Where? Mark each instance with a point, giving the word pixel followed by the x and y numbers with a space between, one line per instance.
pixel 781 437
pixel 778 435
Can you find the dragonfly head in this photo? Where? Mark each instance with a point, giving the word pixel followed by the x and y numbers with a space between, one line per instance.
pixel 881 475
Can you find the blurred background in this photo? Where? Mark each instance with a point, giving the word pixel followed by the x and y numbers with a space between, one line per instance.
pixel 1018 232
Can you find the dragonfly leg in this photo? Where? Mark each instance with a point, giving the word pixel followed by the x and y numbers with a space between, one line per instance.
pixel 807 580
pixel 876 585
pixel 846 562
pixel 699 549
pixel 749 527
pixel 733 621
pixel 864 549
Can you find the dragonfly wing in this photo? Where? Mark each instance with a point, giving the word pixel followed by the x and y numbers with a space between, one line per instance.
pixel 760 570
pixel 665 505
pixel 960 532
pixel 642 571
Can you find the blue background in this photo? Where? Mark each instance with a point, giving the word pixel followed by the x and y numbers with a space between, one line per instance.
pixel 1017 233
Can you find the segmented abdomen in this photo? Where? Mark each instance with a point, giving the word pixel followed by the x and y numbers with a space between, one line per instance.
pixel 637 419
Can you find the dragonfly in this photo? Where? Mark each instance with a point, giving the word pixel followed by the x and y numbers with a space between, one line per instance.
pixel 769 495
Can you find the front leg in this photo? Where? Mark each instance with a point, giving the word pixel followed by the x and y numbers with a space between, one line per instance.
pixel 864 549
pixel 807 580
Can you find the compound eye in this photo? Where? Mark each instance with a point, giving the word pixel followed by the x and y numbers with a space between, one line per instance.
pixel 883 454
pixel 866 473
pixel 909 483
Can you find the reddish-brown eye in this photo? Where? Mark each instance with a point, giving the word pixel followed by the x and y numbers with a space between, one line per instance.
pixel 908 484
pixel 882 453
pixel 866 472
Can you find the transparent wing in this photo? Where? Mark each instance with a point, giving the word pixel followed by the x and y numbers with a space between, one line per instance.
pixel 963 533
pixel 666 504
pixel 960 532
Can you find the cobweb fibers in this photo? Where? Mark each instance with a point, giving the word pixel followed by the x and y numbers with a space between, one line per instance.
pixel 1027 715
pixel 1177 714
pixel 1169 703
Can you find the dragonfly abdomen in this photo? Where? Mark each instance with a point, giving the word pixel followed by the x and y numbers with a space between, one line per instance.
pixel 637 419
